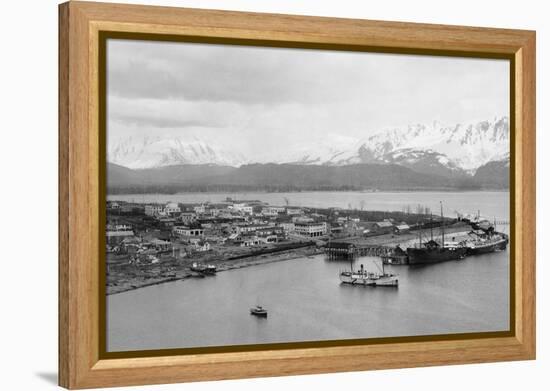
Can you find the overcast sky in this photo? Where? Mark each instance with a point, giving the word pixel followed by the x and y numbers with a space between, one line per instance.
pixel 273 96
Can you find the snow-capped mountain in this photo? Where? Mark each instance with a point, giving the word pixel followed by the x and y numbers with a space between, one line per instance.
pixel 465 146
pixel 434 148
pixel 461 146
pixel 150 152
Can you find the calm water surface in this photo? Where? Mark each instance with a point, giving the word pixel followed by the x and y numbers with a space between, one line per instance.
pixel 489 203
pixel 305 299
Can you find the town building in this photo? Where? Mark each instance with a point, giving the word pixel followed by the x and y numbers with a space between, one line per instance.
pixel 188 217
pixel 160 245
pixel 167 222
pixel 383 226
pixel 269 230
pixel 310 229
pixel 294 211
pixel 113 206
pixel 287 227
pixel 243 208
pixel 200 245
pixel 171 208
pixel 114 238
pixel 153 209
pixel 187 231
pixel 273 211
pixel 241 229
pixel 268 239
pixel 336 229
pixel 199 209
pixel 402 228
pixel 249 241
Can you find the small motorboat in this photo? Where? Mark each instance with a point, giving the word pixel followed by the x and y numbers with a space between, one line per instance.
pixel 259 311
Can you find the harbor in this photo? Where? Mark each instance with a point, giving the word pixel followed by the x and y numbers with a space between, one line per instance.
pixel 153 243
pixel 301 283
pixel 470 295
pixel 471 235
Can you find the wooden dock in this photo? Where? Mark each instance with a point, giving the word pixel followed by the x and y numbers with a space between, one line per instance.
pixel 346 250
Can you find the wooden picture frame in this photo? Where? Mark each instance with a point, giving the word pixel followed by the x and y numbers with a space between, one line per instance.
pixel 81 184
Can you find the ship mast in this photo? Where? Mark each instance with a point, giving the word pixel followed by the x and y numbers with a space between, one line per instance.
pixel 442 226
pixel 431 227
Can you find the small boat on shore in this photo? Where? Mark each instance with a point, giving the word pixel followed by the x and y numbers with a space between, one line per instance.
pixel 203 268
pixel 258 311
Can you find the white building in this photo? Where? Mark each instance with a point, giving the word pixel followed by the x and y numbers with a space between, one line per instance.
pixel 310 229
pixel 250 241
pixel 187 231
pixel 402 228
pixel 172 207
pixel 268 239
pixel 272 210
pixel 294 211
pixel 243 208
pixel 248 228
pixel 384 226
pixel 201 246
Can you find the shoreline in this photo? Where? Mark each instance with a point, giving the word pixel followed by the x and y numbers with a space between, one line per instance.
pixel 224 265
pixel 183 272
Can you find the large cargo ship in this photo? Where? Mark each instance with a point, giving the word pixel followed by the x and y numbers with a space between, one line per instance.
pixel 434 252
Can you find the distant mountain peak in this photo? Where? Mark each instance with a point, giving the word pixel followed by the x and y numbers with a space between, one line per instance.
pixel 150 152
pixel 434 148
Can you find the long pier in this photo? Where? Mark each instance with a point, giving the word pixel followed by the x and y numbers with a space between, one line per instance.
pixel 345 250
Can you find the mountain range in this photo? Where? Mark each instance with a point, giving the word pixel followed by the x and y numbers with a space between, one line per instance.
pixel 432 156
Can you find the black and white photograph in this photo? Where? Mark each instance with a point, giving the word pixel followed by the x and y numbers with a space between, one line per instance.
pixel 270 195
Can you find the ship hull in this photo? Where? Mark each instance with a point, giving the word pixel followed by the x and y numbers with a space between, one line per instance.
pixel 488 248
pixel 395 259
pixel 418 256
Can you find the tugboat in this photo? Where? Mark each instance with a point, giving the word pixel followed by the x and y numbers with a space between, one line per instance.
pixel 258 311
pixel 433 252
pixel 363 277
